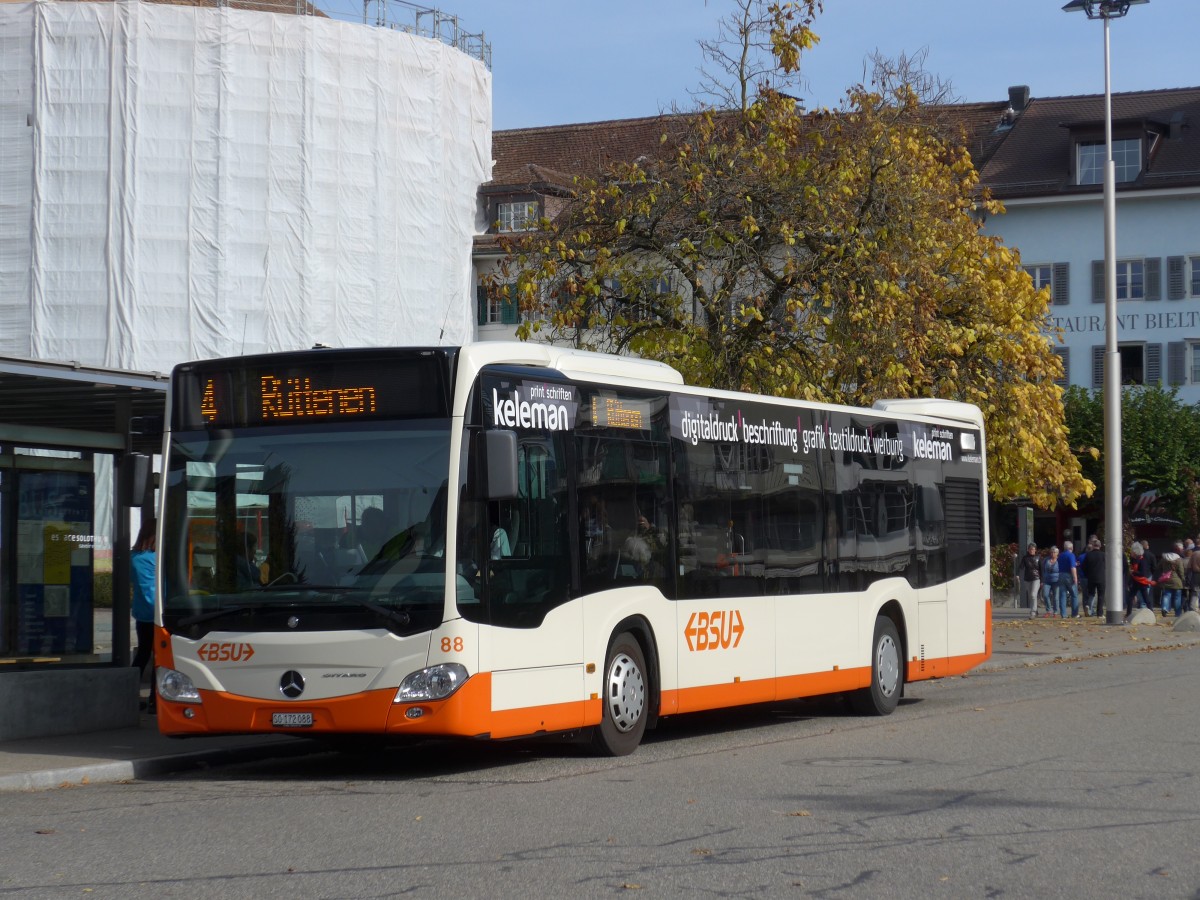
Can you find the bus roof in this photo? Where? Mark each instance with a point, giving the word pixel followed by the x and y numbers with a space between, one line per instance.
pixel 569 361
pixel 586 365
pixel 934 408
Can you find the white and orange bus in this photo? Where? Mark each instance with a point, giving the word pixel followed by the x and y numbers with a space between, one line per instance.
pixel 507 540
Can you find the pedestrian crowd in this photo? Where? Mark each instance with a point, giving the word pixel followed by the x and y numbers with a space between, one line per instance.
pixel 1069 586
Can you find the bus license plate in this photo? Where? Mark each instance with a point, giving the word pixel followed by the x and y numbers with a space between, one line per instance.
pixel 292 720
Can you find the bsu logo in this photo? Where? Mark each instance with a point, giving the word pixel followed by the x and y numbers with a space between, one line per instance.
pixel 226 652
pixel 717 630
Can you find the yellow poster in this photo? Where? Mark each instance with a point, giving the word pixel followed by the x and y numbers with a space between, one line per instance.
pixel 57 544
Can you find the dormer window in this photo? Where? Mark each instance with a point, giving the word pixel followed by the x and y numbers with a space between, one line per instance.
pixel 518 215
pixel 1127 160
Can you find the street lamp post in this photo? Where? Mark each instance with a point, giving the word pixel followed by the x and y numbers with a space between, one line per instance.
pixel 1114 594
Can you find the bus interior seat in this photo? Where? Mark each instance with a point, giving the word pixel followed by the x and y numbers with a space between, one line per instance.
pixel 311 562
pixel 624 567
pixel 712 546
pixel 346 559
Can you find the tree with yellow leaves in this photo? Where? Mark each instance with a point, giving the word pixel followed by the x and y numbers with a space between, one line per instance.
pixel 834 256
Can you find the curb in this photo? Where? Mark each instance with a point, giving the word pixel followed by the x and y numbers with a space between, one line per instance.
pixel 153 766
pixel 1025 662
pixel 1041 659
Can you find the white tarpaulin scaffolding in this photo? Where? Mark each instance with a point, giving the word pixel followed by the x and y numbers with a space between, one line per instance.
pixel 180 182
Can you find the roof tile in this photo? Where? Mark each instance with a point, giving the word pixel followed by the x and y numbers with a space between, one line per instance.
pixel 1029 159
pixel 1035 158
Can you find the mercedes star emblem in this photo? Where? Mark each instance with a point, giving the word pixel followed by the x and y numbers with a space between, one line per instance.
pixel 291 685
pixel 293 621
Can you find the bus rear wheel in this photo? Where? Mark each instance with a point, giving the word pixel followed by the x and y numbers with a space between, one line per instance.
pixel 623 719
pixel 887 680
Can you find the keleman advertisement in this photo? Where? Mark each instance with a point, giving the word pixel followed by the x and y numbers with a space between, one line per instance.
pixel 880 443
pixel 530 405
pixel 697 420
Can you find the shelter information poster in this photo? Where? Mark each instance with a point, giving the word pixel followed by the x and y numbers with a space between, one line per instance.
pixel 54 563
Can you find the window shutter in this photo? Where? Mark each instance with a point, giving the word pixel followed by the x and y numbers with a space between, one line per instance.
pixel 1097 281
pixel 1175 266
pixel 481 303
pixel 1064 353
pixel 1177 363
pixel 1153 364
pixel 1098 366
pixel 1060 283
pixel 1153 266
pixel 508 307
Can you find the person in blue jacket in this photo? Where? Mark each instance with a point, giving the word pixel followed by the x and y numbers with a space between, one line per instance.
pixel 143 563
pixel 1068 582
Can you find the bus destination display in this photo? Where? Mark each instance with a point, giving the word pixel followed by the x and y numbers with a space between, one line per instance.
pixel 296 398
pixel 229 397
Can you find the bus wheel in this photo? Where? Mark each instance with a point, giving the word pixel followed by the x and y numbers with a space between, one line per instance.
pixel 623 720
pixel 887 682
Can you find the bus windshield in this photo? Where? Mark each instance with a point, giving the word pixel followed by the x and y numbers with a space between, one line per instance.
pixel 344 523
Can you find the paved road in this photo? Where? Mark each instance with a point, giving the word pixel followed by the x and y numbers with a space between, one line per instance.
pixel 1074 779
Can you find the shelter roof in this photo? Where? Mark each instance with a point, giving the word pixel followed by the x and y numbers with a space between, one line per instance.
pixel 76 402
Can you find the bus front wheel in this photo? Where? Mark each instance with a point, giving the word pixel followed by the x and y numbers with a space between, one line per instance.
pixel 887 681
pixel 623 720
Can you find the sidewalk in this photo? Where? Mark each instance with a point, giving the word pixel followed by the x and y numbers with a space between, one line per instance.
pixel 1018 640
pixel 127 754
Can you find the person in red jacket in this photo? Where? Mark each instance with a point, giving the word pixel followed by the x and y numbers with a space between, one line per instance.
pixel 1141 576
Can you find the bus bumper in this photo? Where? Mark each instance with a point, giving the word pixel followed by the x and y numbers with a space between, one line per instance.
pixel 466 713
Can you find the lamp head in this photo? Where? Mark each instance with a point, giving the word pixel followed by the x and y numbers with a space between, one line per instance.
pixel 1102 9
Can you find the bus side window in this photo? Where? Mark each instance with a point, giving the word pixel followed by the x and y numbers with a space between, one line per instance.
pixel 527 572
pixel 625 523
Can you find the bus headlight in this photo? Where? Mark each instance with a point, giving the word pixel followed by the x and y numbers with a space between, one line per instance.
pixel 176 686
pixel 435 683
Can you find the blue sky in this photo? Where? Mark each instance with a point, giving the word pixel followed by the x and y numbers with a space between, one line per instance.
pixel 560 61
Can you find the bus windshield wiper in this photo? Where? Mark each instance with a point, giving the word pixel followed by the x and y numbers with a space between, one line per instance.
pixel 396 617
pixel 209 616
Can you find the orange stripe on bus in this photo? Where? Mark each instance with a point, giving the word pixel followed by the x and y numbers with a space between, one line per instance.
pixel 718 696
pixel 764 690
pixel 224 713
pixel 545 719
pixel 955 665
pixel 926 669
pixel 469 713
pixel 466 713
pixel 817 683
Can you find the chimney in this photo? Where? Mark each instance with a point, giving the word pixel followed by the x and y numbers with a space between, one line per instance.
pixel 1018 97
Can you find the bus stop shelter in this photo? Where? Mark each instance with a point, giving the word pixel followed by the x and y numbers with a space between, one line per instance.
pixel 66 431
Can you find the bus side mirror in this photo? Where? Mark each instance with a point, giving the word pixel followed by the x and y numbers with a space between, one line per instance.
pixel 501 450
pixel 135 479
